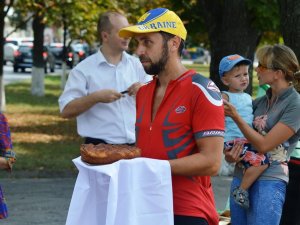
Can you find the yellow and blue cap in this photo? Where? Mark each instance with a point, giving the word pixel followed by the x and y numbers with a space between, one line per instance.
pixel 155 20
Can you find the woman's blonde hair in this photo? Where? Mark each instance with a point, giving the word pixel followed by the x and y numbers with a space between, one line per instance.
pixel 280 57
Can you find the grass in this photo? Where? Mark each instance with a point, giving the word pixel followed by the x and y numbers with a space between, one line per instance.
pixel 200 68
pixel 44 142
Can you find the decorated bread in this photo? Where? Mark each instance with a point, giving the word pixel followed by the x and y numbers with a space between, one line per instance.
pixel 107 153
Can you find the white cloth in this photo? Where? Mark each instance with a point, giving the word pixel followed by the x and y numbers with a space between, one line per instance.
pixel 127 192
pixel 111 122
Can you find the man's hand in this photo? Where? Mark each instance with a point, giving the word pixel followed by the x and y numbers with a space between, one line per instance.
pixel 133 89
pixel 80 105
pixel 107 95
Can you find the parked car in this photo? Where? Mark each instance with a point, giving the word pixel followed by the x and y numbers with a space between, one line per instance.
pixel 75 53
pixel 82 50
pixel 11 45
pixel 57 50
pixel 9 51
pixel 23 58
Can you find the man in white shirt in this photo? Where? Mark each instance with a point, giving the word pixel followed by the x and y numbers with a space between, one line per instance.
pixel 100 90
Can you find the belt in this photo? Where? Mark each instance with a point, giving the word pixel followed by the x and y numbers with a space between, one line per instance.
pixel 96 141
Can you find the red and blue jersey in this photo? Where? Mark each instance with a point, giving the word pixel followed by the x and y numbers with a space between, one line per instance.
pixel 192 108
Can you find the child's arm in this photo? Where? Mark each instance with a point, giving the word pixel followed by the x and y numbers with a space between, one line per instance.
pixel 225 96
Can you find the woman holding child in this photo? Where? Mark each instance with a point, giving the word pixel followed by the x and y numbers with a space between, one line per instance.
pixel 275 132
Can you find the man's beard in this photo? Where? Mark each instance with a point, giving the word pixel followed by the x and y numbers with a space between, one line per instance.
pixel 158 67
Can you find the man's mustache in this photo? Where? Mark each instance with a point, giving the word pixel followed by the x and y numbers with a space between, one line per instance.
pixel 144 59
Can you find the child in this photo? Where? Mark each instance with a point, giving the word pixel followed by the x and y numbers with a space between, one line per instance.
pixel 233 71
pixel 7 158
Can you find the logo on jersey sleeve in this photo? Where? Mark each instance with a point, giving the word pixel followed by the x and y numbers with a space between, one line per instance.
pixel 209 89
pixel 180 109
pixel 212 86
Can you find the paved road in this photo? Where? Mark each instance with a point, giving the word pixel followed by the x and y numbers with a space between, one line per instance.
pixel 37 201
pixel 10 76
pixel 46 201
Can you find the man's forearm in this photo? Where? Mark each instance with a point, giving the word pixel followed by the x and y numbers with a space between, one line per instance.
pixel 78 106
pixel 194 165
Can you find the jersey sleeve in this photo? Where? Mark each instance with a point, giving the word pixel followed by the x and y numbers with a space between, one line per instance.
pixel 208 111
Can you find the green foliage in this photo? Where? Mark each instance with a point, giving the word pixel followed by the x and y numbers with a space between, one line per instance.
pixel 266 14
pixel 16 18
pixel 81 16
pixel 134 9
pixel 266 19
pixel 191 15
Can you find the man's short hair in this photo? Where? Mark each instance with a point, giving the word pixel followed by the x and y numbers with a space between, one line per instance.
pixel 168 36
pixel 104 23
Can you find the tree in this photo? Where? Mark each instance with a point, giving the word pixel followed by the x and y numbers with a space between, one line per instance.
pixel 76 16
pixel 224 26
pixel 290 24
pixel 37 9
pixel 231 31
pixel 37 80
pixel 78 19
pixel 4 8
pixel 231 27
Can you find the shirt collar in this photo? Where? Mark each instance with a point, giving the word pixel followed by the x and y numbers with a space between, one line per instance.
pixel 181 77
pixel 102 59
pixel 283 94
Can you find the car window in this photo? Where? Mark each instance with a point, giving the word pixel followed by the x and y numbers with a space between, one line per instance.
pixel 55 49
pixel 25 49
pixel 78 47
pixel 11 42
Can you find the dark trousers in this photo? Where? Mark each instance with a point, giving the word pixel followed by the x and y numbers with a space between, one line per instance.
pixel 189 220
pixel 96 141
pixel 291 208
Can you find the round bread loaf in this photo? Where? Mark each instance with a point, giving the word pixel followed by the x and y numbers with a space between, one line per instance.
pixel 107 153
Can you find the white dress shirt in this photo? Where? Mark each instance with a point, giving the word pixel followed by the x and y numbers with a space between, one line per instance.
pixel 112 122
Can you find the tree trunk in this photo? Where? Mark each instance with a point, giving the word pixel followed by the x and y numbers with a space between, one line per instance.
pixel 37 81
pixel 230 32
pixel 63 75
pixel 64 64
pixel 2 91
pixel 38 74
pixel 290 24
